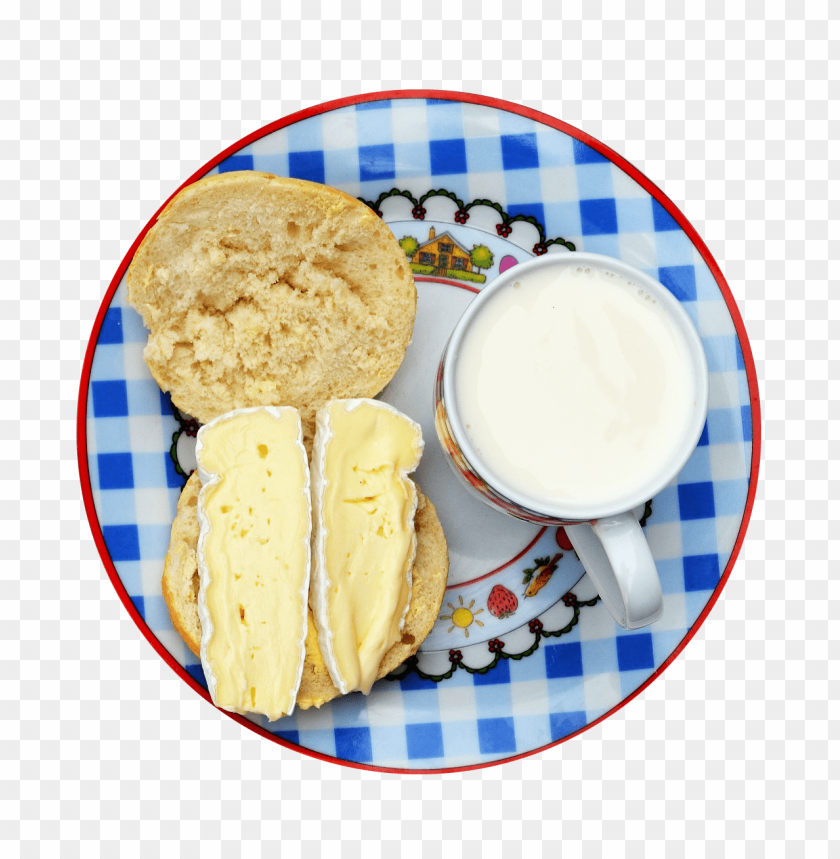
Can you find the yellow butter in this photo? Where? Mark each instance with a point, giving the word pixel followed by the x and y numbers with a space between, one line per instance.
pixel 364 546
pixel 254 558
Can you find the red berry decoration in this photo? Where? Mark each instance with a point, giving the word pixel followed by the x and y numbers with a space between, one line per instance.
pixel 540 248
pixel 461 216
pixel 563 540
pixel 502 602
pixel 504 230
pixel 419 213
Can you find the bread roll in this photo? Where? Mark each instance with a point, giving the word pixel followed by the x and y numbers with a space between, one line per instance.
pixel 263 290
pixel 431 565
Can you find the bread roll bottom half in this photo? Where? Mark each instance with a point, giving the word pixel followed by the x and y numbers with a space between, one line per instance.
pixel 180 584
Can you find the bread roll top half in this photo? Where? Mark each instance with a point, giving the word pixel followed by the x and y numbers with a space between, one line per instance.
pixel 258 290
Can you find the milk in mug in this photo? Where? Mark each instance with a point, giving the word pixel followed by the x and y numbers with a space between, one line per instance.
pixel 574 385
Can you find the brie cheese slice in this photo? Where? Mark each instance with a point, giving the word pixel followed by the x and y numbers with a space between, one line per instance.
pixel 254 558
pixel 364 541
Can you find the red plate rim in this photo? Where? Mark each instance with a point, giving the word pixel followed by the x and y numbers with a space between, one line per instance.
pixel 443 95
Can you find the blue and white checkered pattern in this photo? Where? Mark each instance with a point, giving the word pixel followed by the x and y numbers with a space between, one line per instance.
pixel 528 168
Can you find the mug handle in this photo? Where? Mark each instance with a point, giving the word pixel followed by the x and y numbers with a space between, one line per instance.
pixel 617 557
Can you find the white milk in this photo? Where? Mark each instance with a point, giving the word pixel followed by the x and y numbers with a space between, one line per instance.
pixel 574 386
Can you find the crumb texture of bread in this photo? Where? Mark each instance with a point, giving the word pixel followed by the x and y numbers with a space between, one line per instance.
pixel 262 290
pixel 429 574
pixel 180 580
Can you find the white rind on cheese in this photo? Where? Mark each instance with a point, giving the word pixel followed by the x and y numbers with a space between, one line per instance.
pixel 321 582
pixel 209 480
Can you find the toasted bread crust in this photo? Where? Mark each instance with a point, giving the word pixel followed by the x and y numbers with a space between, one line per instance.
pixel 431 566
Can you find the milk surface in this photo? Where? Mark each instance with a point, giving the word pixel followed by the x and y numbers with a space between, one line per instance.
pixel 574 386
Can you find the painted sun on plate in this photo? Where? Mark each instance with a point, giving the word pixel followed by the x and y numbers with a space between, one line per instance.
pixel 462 616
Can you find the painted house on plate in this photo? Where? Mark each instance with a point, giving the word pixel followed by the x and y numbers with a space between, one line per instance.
pixel 444 253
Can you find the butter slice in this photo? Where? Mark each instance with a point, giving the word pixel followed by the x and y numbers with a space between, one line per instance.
pixel 364 541
pixel 254 557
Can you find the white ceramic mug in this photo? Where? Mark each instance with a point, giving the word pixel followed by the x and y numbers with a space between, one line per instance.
pixel 602 528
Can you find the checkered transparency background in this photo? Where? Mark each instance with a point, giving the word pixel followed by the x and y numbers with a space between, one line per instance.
pixel 734 750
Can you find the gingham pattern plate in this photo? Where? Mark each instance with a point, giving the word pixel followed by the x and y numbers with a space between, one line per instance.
pixel 452 171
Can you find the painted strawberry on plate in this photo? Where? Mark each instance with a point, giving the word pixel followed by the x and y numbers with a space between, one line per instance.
pixel 502 602
pixel 563 540
pixel 537 577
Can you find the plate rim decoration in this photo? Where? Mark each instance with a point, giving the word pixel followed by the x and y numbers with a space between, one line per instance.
pixel 439 95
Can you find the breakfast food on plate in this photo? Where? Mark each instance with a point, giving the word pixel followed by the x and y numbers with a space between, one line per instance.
pixel 263 290
pixel 363 535
pixel 431 563
pixel 266 300
pixel 428 583
pixel 253 555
